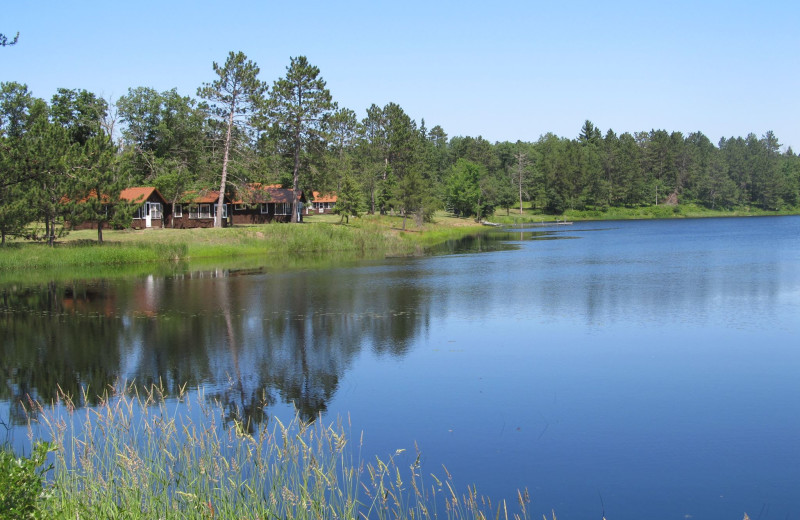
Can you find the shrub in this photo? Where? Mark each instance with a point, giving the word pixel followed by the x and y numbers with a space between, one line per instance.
pixel 22 491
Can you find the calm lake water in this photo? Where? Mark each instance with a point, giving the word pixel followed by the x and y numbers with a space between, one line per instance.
pixel 650 369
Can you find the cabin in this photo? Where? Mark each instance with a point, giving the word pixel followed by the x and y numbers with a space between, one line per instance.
pixel 321 204
pixel 198 209
pixel 259 204
pixel 149 208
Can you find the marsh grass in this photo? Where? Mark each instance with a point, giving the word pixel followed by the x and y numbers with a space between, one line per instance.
pixel 137 456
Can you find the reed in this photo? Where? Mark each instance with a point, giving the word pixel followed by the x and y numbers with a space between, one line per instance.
pixel 146 455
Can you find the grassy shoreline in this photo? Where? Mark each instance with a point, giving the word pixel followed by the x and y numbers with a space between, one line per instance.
pixel 369 236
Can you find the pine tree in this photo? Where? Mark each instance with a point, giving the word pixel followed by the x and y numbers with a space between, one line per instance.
pixel 298 105
pixel 349 201
pixel 236 97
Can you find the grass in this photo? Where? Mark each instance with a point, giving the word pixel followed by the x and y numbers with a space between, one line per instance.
pixel 366 236
pixel 87 253
pixel 135 456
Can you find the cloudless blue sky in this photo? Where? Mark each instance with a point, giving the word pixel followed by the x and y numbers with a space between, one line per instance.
pixel 507 71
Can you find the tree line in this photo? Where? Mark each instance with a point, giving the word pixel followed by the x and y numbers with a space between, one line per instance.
pixel 64 160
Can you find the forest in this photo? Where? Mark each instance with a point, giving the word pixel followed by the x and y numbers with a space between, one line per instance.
pixel 56 156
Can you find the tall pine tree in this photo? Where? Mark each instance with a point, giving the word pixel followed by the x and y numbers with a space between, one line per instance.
pixel 236 96
pixel 299 102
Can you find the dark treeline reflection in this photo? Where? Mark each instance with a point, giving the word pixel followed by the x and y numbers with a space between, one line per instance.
pixel 250 339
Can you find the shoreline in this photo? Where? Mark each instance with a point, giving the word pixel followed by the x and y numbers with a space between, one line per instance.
pixel 378 236
pixel 371 236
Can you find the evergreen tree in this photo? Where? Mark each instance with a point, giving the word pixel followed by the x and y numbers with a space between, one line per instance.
pixel 97 185
pixel 298 105
pixel 236 97
pixel 15 210
pixel 372 155
pixel 410 194
pixel 45 153
pixel 342 129
pixel 349 201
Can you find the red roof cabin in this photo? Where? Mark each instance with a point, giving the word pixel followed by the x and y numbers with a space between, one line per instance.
pixel 199 210
pixel 259 204
pixel 150 207
pixel 322 204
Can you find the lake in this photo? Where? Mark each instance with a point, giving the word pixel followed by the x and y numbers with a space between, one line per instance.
pixel 645 369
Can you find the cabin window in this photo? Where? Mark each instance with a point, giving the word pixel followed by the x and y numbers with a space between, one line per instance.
pixel 240 207
pixel 177 210
pixel 155 209
pixel 282 208
pixel 264 208
pixel 224 211
pixel 140 212
pixel 200 211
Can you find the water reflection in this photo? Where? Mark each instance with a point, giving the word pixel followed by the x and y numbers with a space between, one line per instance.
pixel 249 337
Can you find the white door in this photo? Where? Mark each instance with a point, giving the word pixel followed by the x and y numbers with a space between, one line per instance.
pixel 148 218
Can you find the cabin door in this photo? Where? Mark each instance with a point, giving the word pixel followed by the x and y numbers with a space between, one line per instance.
pixel 148 219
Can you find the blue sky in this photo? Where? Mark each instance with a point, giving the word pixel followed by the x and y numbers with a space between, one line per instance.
pixel 506 71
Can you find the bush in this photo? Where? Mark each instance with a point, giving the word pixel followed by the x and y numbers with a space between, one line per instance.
pixel 22 491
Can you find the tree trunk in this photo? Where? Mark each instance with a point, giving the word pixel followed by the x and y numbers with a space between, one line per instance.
pixel 295 173
pixel 221 200
pixel 520 158
pixel 50 229
pixel 100 232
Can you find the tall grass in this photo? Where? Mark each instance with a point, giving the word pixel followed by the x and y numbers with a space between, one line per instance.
pixel 40 256
pixel 137 456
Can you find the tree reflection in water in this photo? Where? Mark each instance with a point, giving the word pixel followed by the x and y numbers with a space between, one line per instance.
pixel 250 340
